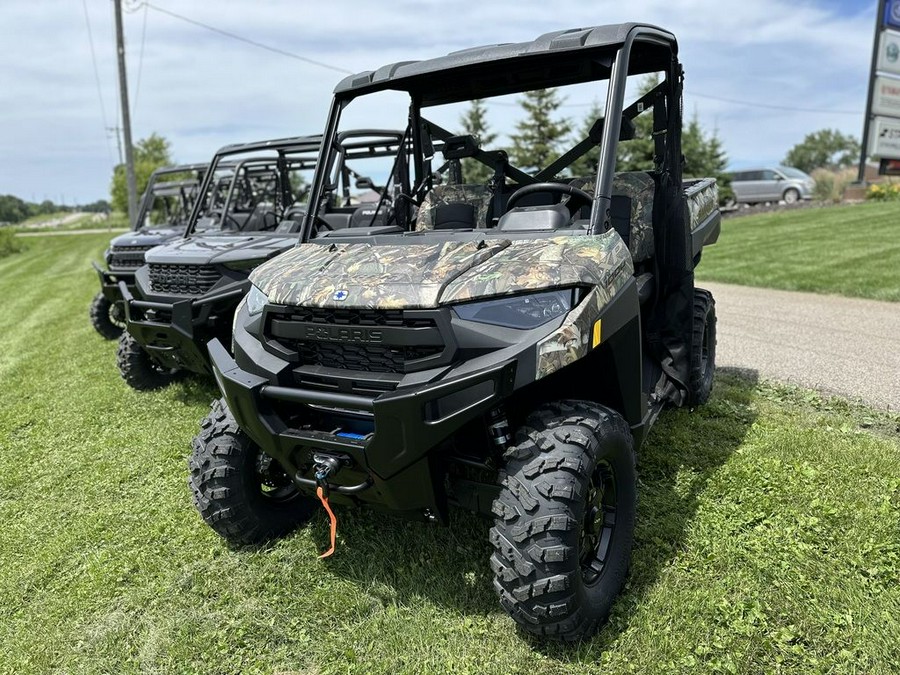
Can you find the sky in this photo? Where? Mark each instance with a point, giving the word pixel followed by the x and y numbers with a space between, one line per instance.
pixel 809 59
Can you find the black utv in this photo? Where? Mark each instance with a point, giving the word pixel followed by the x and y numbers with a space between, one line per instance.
pixel 162 215
pixel 249 210
pixel 503 346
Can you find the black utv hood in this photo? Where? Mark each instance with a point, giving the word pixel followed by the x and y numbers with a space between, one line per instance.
pixel 148 236
pixel 221 249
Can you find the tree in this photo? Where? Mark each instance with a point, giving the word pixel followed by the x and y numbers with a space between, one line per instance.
pixel 150 154
pixel 539 136
pixel 823 149
pixel 474 121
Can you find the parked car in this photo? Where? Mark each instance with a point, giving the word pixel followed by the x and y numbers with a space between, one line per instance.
pixel 752 186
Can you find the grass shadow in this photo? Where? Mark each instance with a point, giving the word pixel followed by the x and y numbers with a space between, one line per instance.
pixel 192 389
pixel 400 561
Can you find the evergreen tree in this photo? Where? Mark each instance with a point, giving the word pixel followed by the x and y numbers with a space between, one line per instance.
pixel 539 136
pixel 587 164
pixel 474 122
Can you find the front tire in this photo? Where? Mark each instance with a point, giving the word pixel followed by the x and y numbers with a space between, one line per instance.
pixel 564 519
pixel 106 317
pixel 240 492
pixel 703 348
pixel 791 196
pixel 137 368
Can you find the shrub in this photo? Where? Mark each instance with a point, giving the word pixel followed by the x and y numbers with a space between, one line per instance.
pixel 8 242
pixel 830 185
pixel 884 192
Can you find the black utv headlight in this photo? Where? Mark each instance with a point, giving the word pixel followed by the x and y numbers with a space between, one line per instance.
pixel 523 312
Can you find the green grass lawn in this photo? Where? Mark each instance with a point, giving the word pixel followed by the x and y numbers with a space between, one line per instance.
pixel 849 250
pixel 768 536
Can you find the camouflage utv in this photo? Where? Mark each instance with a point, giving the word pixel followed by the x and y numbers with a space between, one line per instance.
pixel 162 215
pixel 502 346
pixel 249 211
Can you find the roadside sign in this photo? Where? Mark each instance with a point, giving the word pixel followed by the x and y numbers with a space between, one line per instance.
pixel 886 97
pixel 889 167
pixel 889 52
pixel 885 137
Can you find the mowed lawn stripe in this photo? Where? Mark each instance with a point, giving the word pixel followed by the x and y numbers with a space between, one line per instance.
pixel 851 250
pixel 766 535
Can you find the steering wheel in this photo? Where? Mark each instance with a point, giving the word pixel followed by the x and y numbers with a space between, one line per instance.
pixel 578 197
pixel 227 220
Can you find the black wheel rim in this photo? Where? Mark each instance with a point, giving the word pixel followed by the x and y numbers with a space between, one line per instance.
pixel 273 482
pixel 599 524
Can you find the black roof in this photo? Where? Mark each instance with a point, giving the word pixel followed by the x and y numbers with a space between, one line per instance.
pixel 554 59
pixel 296 144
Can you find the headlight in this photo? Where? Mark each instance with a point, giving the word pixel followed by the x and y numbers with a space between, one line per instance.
pixel 520 311
pixel 256 301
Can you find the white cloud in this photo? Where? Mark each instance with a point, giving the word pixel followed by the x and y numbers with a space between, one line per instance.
pixel 202 90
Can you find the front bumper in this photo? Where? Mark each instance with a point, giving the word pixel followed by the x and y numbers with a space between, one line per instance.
pixel 175 333
pixel 109 281
pixel 391 465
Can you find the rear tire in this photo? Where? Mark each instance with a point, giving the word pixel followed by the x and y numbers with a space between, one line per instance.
pixel 138 369
pixel 564 519
pixel 106 317
pixel 703 348
pixel 791 196
pixel 240 492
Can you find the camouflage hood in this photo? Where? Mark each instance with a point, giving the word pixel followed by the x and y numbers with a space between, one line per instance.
pixel 427 275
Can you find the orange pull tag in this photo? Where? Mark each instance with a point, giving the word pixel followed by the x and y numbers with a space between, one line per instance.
pixel 324 500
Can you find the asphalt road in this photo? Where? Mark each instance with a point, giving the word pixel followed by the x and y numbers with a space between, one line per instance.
pixel 837 345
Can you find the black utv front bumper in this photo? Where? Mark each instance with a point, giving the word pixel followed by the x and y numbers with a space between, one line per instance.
pixel 384 441
pixel 110 279
pixel 175 332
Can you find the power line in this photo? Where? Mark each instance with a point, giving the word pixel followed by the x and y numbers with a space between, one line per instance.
pixel 87 21
pixel 248 41
pixel 137 87
pixel 772 106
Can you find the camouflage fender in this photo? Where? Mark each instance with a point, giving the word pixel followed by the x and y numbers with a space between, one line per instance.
pixel 574 339
pixel 538 264
pixel 362 275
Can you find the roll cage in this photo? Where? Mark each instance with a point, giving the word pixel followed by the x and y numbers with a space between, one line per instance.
pixel 555 59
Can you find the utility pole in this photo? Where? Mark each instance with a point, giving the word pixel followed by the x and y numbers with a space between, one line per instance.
pixel 126 115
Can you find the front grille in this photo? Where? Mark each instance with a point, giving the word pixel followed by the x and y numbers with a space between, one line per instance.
pixel 130 257
pixel 403 337
pixel 356 317
pixel 373 359
pixel 183 279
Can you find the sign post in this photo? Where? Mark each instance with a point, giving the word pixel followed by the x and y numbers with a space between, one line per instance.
pixel 884 10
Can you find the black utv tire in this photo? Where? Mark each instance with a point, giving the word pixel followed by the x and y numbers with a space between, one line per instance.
pixel 564 519
pixel 138 369
pixel 106 317
pixel 703 348
pixel 241 492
